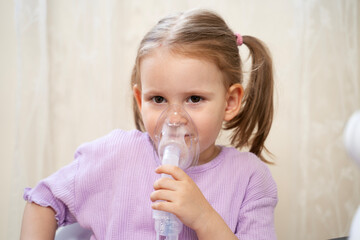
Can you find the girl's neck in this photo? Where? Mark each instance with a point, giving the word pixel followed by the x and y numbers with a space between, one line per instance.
pixel 209 154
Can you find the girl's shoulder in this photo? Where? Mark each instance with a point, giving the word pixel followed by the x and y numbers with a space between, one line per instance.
pixel 244 165
pixel 232 160
pixel 248 167
pixel 110 152
pixel 113 140
pixel 241 159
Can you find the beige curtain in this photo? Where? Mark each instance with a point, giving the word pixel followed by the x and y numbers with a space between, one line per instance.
pixel 71 84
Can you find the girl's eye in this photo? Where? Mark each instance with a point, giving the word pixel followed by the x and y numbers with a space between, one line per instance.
pixel 158 99
pixel 195 99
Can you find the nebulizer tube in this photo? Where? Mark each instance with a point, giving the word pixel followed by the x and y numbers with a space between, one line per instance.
pixel 176 143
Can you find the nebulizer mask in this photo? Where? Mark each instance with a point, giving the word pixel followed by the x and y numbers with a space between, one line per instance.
pixel 176 143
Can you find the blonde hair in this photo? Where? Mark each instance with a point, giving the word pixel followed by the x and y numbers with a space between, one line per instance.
pixel 204 34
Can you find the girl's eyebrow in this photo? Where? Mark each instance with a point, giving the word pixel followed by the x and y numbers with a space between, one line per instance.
pixel 190 92
pixel 200 92
pixel 151 92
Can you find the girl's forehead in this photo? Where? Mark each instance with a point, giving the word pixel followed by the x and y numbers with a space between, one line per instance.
pixel 164 65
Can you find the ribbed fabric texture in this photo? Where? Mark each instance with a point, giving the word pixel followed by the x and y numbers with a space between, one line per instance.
pixel 107 189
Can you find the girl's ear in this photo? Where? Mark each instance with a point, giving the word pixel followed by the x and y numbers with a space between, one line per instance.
pixel 234 96
pixel 137 95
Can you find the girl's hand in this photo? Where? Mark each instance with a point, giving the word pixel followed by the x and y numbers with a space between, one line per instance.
pixel 182 197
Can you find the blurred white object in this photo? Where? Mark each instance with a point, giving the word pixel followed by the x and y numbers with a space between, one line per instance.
pixel 355 226
pixel 72 232
pixel 352 137
pixel 352 145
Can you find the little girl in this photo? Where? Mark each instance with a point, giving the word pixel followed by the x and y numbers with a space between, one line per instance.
pixel 189 59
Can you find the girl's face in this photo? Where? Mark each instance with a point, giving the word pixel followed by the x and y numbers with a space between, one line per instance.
pixel 195 84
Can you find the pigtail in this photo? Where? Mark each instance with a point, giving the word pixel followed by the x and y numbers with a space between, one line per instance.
pixel 252 125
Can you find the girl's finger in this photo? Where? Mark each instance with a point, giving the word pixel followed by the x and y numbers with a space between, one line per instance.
pixel 176 172
pixel 163 195
pixel 165 183
pixel 164 206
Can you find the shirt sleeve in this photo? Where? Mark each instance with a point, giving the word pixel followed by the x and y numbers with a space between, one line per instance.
pixel 256 218
pixel 58 192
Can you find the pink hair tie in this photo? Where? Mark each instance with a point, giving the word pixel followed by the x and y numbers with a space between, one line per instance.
pixel 239 39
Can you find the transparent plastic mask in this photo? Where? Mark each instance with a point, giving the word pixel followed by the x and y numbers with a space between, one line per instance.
pixel 176 128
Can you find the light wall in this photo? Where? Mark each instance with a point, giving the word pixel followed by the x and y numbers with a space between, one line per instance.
pixel 64 79
pixel 7 106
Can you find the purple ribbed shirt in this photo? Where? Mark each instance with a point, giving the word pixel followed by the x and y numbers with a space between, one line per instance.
pixel 107 189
